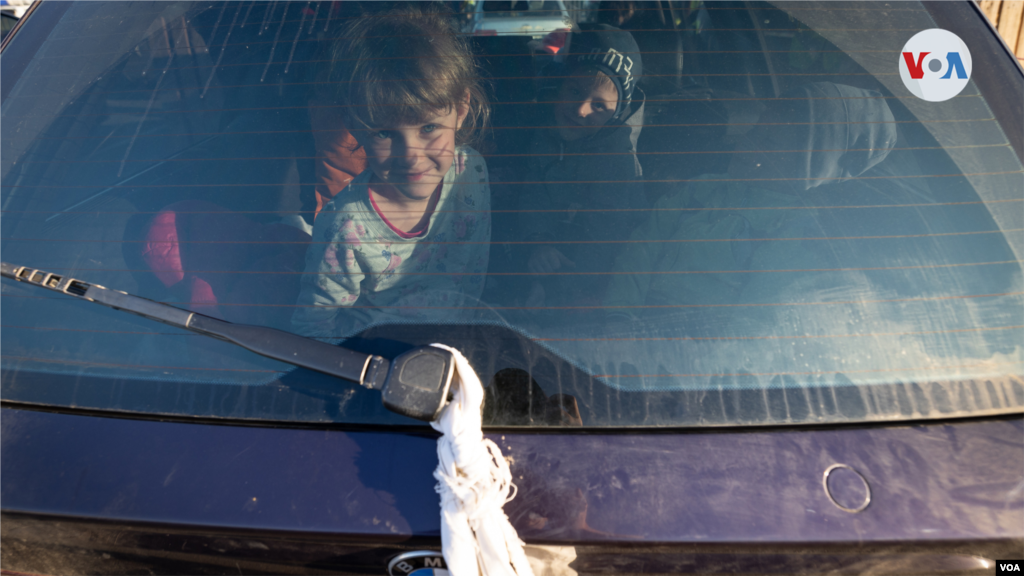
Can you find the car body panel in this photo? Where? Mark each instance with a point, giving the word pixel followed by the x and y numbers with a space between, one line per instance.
pixel 939 481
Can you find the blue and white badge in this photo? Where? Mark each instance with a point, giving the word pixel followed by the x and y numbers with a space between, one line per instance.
pixel 935 65
pixel 418 563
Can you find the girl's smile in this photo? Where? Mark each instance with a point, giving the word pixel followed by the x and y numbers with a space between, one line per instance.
pixel 410 160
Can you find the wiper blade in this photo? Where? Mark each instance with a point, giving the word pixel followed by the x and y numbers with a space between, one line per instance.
pixel 414 384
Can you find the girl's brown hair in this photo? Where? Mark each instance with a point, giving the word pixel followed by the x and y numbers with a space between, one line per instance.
pixel 402 67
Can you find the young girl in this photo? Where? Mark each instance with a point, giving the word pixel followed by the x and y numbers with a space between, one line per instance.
pixel 409 237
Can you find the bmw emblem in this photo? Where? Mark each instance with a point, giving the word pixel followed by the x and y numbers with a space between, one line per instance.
pixel 419 563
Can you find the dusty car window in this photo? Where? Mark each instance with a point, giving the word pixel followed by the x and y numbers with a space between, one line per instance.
pixel 688 213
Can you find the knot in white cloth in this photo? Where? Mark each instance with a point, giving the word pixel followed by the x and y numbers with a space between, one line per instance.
pixel 474 482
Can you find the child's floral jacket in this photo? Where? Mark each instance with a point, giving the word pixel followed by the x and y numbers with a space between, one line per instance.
pixel 359 271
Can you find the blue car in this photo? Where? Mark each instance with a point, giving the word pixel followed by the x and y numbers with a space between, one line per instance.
pixel 768 318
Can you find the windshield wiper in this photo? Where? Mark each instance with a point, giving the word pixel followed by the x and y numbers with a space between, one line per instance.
pixel 414 384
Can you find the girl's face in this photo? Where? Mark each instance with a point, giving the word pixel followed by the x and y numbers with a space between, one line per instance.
pixel 412 159
pixel 585 105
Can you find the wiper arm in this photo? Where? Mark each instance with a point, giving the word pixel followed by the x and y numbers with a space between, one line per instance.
pixel 414 384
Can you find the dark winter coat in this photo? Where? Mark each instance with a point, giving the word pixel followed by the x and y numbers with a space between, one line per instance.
pixel 585 190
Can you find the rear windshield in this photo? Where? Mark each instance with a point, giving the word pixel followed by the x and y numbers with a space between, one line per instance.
pixel 752 221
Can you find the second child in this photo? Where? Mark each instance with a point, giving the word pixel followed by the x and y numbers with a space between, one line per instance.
pixel 584 188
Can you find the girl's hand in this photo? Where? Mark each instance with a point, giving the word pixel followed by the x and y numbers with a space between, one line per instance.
pixel 547 260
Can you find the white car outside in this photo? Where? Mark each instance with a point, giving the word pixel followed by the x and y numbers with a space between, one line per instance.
pixel 538 19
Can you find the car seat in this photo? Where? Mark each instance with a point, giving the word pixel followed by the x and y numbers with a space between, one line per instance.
pixel 209 260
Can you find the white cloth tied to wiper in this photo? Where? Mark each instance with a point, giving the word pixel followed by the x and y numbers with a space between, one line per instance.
pixel 474 482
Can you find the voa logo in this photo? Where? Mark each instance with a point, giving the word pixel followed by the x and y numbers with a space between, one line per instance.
pixel 935 65
pixel 1007 567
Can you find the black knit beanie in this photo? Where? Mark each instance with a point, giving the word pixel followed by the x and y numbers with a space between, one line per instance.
pixel 611 51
